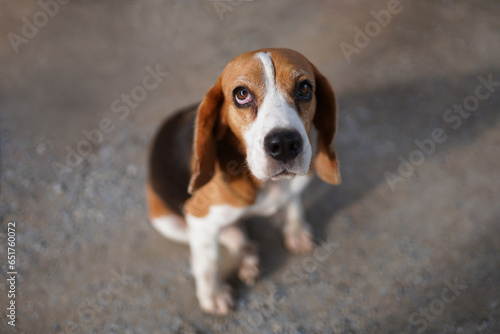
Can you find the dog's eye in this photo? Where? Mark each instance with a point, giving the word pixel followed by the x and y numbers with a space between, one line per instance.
pixel 242 96
pixel 304 91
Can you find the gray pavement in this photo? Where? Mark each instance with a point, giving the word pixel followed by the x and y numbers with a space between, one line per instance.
pixel 409 243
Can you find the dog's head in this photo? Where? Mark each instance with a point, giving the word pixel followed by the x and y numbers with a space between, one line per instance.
pixel 269 99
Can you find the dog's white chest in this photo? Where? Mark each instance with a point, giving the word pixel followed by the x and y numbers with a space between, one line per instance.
pixel 276 194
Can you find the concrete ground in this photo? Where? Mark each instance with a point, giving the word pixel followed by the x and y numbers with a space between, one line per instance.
pixel 410 242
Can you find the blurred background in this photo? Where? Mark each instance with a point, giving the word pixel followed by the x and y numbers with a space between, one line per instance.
pixel 411 237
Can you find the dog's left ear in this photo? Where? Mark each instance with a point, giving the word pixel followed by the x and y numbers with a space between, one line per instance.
pixel 208 129
pixel 325 121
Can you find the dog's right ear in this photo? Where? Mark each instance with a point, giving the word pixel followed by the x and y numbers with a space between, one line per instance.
pixel 207 131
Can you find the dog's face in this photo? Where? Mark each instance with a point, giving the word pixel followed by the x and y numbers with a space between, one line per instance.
pixel 270 106
pixel 269 99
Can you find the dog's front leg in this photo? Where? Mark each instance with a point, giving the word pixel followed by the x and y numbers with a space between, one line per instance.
pixel 213 295
pixel 297 232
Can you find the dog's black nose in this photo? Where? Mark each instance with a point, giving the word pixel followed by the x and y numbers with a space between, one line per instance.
pixel 283 145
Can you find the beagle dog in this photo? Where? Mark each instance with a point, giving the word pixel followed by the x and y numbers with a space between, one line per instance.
pixel 249 148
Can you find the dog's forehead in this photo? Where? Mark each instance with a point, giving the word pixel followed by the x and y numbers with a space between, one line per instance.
pixel 248 68
pixel 243 70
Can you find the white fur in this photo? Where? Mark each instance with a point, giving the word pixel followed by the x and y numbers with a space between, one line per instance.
pixel 274 113
pixel 204 232
pixel 203 235
pixel 275 195
pixel 172 227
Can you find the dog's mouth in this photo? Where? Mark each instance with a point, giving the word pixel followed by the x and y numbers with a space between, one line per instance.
pixel 283 174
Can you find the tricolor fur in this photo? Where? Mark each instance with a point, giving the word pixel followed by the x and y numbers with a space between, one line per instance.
pixel 249 148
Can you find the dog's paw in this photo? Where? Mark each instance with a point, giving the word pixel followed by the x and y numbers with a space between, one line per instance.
pixel 299 241
pixel 249 267
pixel 221 302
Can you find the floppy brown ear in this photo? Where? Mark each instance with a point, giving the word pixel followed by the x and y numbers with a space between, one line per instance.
pixel 325 121
pixel 207 131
